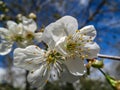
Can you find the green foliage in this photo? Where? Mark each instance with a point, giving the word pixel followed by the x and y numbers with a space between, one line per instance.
pixel 88 84
pixel 85 84
pixel 57 86
pixel 7 87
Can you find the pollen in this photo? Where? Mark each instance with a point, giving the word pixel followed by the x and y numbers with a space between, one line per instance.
pixel 32 71
pixel 17 38
pixel 81 39
pixel 82 57
pixel 52 57
pixel 46 81
pixel 34 53
pixel 29 62
pixel 77 31
pixel 88 49
pixel 86 56
pixel 89 40
pixel 85 34
pixel 29 36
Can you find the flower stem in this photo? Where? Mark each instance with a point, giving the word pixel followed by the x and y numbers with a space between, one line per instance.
pixel 27 83
pixel 107 78
pixel 109 57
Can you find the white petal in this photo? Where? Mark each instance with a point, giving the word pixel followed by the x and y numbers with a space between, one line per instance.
pixel 55 31
pixel 93 50
pixel 66 76
pixel 75 66
pixel 37 79
pixel 70 24
pixel 5 47
pixel 12 26
pixel 29 58
pixel 19 29
pixel 3 33
pixel 89 30
pixel 38 36
pixel 60 46
pixel 29 24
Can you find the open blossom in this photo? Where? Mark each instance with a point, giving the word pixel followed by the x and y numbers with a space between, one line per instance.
pixel 22 33
pixel 39 62
pixel 66 46
pixel 77 45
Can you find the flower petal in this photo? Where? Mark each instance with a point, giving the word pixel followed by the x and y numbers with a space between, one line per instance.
pixel 29 24
pixel 69 23
pixel 29 58
pixel 38 36
pixel 60 46
pixel 93 50
pixel 3 33
pixel 75 66
pixel 88 31
pixel 5 47
pixel 65 26
pixel 37 79
pixel 66 76
pixel 11 24
pixel 14 28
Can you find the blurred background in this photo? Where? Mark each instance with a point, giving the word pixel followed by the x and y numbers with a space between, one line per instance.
pixel 103 14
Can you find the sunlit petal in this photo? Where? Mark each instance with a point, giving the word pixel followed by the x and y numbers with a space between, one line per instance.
pixel 89 32
pixel 5 47
pixel 91 50
pixel 29 24
pixel 38 36
pixel 75 66
pixel 65 26
pixel 29 58
pixel 39 77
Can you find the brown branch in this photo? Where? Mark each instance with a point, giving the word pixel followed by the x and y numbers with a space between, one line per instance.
pixel 91 17
pixel 109 57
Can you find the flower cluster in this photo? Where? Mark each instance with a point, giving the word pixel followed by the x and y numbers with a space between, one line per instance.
pixel 67 49
pixel 22 34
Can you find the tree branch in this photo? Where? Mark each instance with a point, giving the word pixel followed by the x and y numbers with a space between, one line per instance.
pixel 91 17
pixel 109 57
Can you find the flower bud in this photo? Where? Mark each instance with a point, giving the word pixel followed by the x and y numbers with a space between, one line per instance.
pixel 19 17
pixel 32 15
pixel 1 2
pixel 97 64
pixel 113 82
pixel 2 16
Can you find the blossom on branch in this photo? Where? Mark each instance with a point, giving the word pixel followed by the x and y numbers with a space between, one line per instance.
pixel 77 45
pixel 39 62
pixel 67 46
pixel 22 34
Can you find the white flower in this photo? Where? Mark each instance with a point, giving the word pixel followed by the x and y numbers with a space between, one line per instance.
pixel 77 45
pixel 39 62
pixel 22 33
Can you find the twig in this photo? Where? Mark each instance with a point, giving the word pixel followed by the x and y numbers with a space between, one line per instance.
pixel 106 78
pixel 90 18
pixel 27 83
pixel 109 57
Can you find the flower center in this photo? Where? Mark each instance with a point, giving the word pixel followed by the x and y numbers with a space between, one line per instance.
pixel 53 56
pixel 75 45
pixel 29 36
pixel 17 38
pixel 71 45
